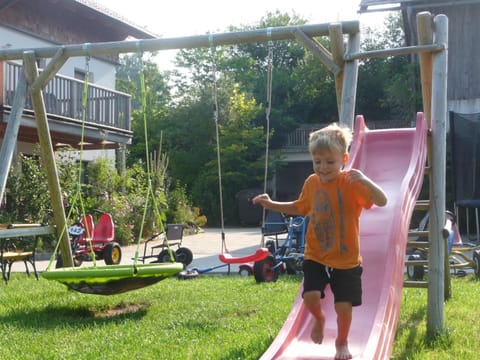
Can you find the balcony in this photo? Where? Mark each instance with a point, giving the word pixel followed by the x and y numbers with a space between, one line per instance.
pixel 107 115
pixel 297 140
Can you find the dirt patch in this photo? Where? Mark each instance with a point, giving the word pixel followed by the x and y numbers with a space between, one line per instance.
pixel 120 309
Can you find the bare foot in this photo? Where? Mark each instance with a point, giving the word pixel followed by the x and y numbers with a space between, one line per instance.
pixel 317 331
pixel 342 352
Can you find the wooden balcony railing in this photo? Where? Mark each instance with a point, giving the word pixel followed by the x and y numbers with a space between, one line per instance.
pixel 298 139
pixel 63 98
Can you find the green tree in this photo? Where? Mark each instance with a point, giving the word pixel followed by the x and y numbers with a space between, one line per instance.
pixel 241 70
pixel 287 57
pixel 303 91
pixel 157 98
pixel 388 87
pixel 241 160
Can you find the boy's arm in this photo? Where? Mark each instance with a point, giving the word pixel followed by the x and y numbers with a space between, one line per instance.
pixel 286 207
pixel 379 197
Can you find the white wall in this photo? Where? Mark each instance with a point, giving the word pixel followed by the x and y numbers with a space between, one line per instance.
pixel 103 71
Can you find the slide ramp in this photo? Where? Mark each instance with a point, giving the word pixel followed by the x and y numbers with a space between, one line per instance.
pixel 395 159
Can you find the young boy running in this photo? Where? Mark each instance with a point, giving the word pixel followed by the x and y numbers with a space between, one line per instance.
pixel 333 199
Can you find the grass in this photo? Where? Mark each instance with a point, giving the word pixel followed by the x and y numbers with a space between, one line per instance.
pixel 461 336
pixel 210 317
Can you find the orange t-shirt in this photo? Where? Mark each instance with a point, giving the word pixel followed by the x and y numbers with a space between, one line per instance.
pixel 334 209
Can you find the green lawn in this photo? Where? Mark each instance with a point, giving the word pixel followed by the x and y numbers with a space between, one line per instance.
pixel 210 317
pixel 461 338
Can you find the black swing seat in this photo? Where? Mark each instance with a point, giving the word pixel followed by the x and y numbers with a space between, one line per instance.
pixel 112 279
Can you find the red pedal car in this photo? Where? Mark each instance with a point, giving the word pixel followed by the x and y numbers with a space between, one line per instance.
pixel 89 240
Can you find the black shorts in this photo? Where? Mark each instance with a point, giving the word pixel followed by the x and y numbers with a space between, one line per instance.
pixel 346 284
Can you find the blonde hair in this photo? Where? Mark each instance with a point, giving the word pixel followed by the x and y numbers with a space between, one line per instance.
pixel 332 137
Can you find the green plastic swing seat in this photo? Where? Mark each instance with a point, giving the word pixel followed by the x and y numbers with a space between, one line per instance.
pixel 112 279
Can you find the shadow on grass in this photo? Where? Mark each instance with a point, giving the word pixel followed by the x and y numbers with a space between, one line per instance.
pixel 75 317
pixel 408 331
pixel 414 341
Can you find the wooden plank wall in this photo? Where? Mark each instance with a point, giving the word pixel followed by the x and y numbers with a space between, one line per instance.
pixel 464 48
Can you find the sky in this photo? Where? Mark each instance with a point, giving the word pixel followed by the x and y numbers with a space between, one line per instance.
pixel 176 18
pixel 197 17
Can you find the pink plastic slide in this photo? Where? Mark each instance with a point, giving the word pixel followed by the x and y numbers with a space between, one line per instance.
pixel 395 159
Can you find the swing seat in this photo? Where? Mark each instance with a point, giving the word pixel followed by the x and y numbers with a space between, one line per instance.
pixel 259 255
pixel 112 279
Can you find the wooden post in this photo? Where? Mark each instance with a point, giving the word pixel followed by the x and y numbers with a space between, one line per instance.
pixel 318 50
pixel 425 36
pixel 48 158
pixel 50 71
pixel 436 291
pixel 347 111
pixel 336 41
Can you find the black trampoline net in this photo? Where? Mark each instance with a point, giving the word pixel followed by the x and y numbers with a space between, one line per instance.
pixel 465 137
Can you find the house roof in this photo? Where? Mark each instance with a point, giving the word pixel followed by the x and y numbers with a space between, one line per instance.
pixel 120 23
pixel 108 25
pixel 387 5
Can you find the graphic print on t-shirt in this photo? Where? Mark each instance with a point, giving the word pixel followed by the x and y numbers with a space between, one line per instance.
pixel 341 217
pixel 323 220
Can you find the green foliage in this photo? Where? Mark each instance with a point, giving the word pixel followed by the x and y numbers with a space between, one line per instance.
pixel 103 179
pixel 157 97
pixel 241 160
pixel 388 88
pixel 27 199
pixel 303 92
pixel 68 170
pixel 180 210
pixel 96 186
pixel 128 80
pixel 241 73
pixel 126 198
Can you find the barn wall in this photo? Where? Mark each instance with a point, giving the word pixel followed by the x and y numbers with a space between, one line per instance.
pixel 463 51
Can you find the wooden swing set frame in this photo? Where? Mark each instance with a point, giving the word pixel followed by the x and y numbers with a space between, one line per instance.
pixel 341 61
